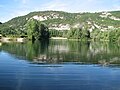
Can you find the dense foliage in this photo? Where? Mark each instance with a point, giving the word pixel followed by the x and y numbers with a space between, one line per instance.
pixel 78 33
pixel 36 30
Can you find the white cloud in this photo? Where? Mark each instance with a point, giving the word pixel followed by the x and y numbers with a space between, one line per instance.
pixel 22 1
pixel 19 13
pixel 71 5
pixel 55 5
pixel 25 1
pixel 117 7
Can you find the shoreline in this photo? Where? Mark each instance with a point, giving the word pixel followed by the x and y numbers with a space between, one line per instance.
pixel 8 39
pixel 58 38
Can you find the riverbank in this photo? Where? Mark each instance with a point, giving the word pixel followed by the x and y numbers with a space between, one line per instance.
pixel 8 39
pixel 20 39
pixel 57 38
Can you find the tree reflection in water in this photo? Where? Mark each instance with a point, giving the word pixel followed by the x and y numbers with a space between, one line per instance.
pixel 60 51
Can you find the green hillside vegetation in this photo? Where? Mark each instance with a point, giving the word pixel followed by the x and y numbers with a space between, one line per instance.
pixel 83 26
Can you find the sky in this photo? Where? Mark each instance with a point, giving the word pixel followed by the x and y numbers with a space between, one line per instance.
pixel 13 8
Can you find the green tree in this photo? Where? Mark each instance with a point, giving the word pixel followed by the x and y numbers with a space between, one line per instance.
pixel 114 35
pixel 43 32
pixel 70 33
pixel 78 33
pixel 36 30
pixel 32 26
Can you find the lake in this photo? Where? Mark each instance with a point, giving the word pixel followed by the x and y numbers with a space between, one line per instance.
pixel 59 65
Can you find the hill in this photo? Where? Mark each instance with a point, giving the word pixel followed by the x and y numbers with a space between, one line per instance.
pixel 59 21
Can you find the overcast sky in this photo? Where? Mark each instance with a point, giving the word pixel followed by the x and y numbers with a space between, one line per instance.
pixel 13 8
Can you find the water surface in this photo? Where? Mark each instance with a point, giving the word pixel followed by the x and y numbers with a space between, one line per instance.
pixel 59 65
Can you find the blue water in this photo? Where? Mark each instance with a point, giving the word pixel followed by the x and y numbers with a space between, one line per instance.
pixel 20 74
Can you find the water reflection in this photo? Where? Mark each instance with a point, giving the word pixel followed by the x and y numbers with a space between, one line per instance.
pixel 59 65
pixel 60 51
